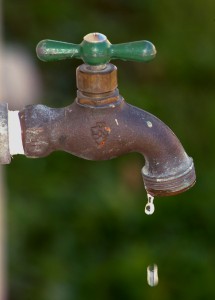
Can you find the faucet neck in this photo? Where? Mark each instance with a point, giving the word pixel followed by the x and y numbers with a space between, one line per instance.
pixel 97 87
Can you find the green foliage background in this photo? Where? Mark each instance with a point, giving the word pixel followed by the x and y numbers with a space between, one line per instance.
pixel 77 229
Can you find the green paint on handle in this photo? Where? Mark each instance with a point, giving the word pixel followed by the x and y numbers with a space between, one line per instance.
pixel 96 50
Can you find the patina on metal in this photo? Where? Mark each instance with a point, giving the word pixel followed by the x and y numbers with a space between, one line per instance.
pixel 100 124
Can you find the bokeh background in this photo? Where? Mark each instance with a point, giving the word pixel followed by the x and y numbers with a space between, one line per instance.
pixel 77 229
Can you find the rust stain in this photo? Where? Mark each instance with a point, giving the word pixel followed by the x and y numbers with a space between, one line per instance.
pixel 100 133
pixel 108 129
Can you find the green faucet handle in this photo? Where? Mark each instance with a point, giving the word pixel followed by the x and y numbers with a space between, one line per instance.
pixel 96 50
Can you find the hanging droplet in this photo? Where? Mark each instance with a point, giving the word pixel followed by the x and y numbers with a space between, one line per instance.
pixel 152 275
pixel 150 208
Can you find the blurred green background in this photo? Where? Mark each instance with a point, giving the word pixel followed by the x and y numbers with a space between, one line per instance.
pixel 77 229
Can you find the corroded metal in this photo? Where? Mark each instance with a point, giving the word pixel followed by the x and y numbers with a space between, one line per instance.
pixel 98 81
pixel 5 157
pixel 104 127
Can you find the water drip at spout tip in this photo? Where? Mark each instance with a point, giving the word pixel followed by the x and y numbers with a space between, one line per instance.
pixel 150 208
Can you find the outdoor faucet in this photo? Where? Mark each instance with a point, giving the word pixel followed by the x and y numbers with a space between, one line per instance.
pixel 99 124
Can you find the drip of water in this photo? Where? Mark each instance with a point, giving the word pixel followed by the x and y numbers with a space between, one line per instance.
pixel 152 275
pixel 150 208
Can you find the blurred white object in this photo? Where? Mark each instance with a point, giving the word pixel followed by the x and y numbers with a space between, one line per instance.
pixel 21 84
pixel 15 134
pixel 152 275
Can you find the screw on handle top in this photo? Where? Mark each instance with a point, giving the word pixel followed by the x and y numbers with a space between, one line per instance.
pixel 96 50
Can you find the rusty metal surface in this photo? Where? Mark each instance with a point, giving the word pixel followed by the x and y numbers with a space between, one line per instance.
pixel 96 82
pixel 5 157
pixel 100 125
pixel 110 99
pixel 105 133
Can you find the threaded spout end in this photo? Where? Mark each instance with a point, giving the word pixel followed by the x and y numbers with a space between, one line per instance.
pixel 172 185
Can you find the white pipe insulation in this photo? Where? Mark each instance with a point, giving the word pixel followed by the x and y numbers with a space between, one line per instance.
pixel 14 133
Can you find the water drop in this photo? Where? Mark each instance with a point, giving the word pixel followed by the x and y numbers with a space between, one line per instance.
pixel 150 208
pixel 152 275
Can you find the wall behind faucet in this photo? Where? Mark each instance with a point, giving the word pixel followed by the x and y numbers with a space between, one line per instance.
pixel 77 229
